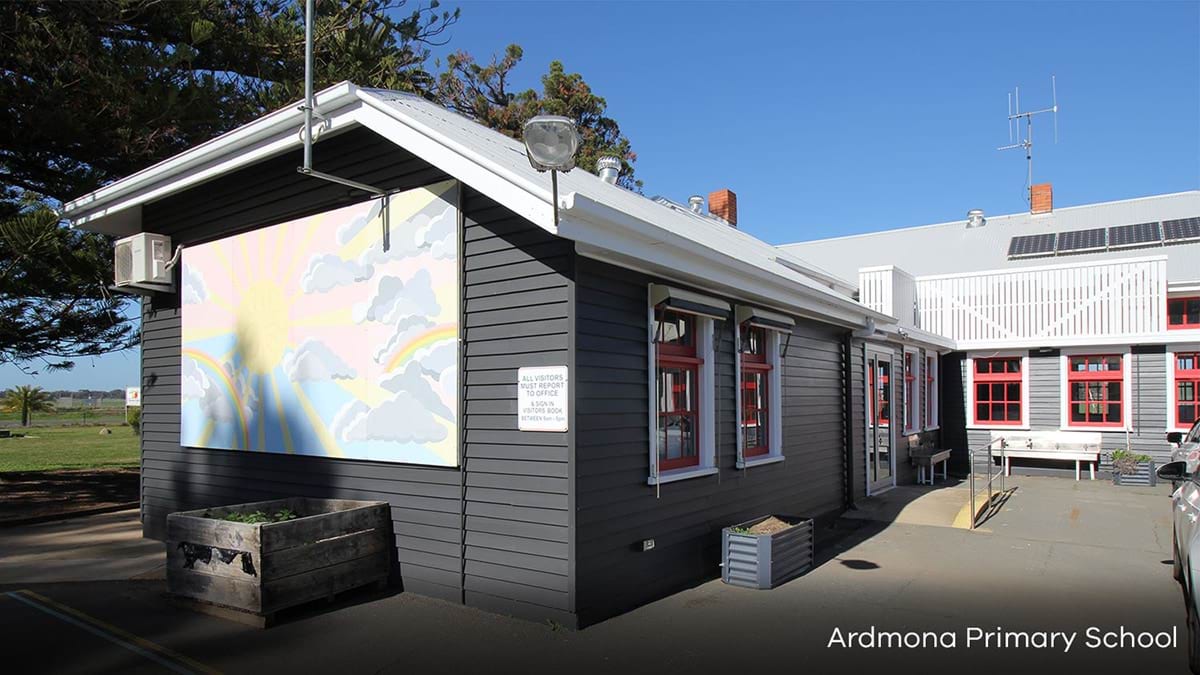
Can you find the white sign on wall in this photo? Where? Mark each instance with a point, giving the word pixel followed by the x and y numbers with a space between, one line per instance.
pixel 133 396
pixel 542 398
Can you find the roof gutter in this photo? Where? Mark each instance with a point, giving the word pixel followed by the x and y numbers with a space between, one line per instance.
pixel 579 211
pixel 100 203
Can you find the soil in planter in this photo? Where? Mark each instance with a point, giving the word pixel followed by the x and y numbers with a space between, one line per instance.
pixel 770 526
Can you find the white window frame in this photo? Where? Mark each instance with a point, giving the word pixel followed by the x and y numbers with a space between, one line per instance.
pixel 774 401
pixel 1064 407
pixel 970 361
pixel 911 409
pixel 930 386
pixel 1172 410
pixel 706 404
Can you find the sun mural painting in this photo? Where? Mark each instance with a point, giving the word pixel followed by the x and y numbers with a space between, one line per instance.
pixel 309 338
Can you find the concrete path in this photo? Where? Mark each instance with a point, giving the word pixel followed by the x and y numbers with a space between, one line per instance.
pixel 939 505
pixel 1060 557
pixel 105 547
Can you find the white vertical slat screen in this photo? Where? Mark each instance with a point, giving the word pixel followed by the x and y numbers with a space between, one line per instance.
pixel 1101 299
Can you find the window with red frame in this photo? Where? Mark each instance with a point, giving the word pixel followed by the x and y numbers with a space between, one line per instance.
pixel 911 393
pixel 756 400
pixel 881 400
pixel 998 391
pixel 678 366
pixel 929 415
pixel 1187 388
pixel 1183 313
pixel 1095 384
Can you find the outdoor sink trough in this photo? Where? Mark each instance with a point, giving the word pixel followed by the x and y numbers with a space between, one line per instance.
pixel 275 554
pixel 766 552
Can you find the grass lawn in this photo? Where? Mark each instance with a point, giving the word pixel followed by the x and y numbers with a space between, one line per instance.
pixel 52 449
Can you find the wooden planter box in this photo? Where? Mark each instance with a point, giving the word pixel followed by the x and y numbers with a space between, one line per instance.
pixel 218 565
pixel 766 560
pixel 1144 476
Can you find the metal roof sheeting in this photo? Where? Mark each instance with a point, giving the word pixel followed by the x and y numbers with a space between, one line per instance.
pixel 949 248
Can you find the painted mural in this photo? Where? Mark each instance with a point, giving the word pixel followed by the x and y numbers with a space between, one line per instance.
pixel 310 338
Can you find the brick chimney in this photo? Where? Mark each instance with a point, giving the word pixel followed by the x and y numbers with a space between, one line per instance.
pixel 723 204
pixel 1041 198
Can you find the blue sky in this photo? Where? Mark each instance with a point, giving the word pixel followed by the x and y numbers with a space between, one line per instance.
pixel 837 118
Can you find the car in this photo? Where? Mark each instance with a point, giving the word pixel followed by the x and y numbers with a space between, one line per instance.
pixel 1185 443
pixel 1185 540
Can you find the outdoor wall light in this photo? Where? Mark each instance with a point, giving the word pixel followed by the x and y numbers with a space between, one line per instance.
pixel 551 142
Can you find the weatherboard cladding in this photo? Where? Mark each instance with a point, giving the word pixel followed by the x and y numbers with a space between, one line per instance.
pixel 506 546
pixel 617 510
pixel 1148 405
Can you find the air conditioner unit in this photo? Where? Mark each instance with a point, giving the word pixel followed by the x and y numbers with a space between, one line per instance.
pixel 140 261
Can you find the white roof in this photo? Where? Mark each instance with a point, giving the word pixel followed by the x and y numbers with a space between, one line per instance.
pixel 606 222
pixel 949 248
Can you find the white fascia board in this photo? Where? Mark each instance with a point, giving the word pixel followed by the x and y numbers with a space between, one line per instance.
pixel 532 202
pixel 605 233
pixel 915 337
pixel 257 140
pixel 1074 341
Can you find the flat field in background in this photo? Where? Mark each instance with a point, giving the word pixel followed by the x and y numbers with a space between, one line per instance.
pixel 72 411
pixel 71 447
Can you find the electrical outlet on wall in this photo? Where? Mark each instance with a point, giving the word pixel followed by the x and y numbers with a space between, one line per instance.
pixel 647 544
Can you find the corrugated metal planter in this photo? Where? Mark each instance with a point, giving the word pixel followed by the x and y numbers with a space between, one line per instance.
pixel 248 571
pixel 766 560
pixel 1144 475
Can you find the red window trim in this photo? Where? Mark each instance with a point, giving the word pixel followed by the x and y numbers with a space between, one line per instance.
pixel 685 357
pixel 1095 376
pixel 1185 375
pixel 878 401
pixel 1005 377
pixel 1185 325
pixel 930 380
pixel 757 363
pixel 910 409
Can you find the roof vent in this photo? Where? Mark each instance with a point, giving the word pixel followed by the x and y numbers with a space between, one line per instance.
pixel 608 168
pixel 696 204
pixel 975 218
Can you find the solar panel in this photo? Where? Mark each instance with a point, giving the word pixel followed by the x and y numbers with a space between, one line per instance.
pixel 1184 229
pixel 1077 241
pixel 1140 234
pixel 1031 245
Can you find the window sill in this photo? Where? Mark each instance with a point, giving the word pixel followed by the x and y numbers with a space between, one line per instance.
pixel 759 461
pixel 681 474
pixel 933 428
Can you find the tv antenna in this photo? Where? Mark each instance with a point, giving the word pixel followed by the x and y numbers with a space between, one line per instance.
pixel 1018 140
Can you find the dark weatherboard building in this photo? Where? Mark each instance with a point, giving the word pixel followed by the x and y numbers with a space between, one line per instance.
pixel 563 406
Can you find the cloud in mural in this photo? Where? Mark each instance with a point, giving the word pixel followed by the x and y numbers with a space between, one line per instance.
pixel 440 361
pixel 193 289
pixel 432 231
pixel 328 271
pixel 400 419
pixel 407 329
pixel 215 401
pixel 395 300
pixel 312 360
pixel 351 229
pixel 412 381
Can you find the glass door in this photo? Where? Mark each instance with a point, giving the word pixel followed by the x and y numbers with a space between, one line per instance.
pixel 881 388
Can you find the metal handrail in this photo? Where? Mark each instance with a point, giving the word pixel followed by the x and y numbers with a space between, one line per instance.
pixel 992 473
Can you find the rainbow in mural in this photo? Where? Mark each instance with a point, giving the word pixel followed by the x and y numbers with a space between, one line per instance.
pixel 309 338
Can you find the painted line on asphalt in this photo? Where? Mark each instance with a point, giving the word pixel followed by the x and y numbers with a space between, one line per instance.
pixel 171 660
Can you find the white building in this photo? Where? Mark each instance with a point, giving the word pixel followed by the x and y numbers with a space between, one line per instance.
pixel 1080 319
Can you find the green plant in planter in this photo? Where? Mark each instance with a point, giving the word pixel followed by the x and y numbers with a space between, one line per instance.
pixel 256 517
pixel 1126 462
